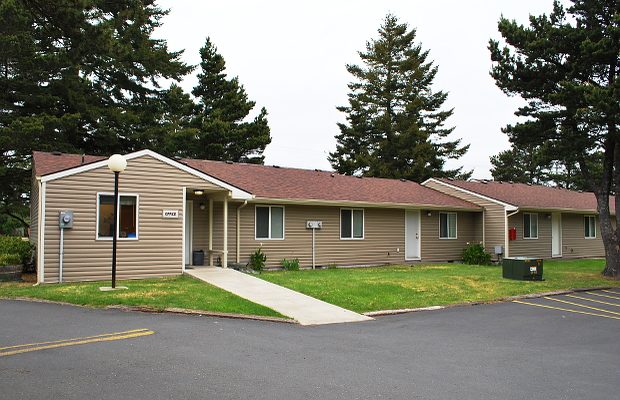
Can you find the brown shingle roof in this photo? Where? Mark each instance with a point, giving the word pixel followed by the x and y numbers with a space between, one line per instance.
pixel 300 184
pixel 48 163
pixel 531 196
pixel 288 183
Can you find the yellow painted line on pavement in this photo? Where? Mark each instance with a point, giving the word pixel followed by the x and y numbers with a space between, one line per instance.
pixel 70 342
pixel 565 309
pixel 581 305
pixel 595 301
pixel 604 295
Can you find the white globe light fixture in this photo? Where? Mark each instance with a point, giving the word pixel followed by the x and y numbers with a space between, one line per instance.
pixel 117 163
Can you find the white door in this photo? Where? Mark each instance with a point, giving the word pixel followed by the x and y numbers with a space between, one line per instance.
pixel 412 235
pixel 556 235
pixel 189 229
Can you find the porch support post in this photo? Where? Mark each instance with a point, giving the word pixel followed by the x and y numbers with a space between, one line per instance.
pixel 225 250
pixel 210 232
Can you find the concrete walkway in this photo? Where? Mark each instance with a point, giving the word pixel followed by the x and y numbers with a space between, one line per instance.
pixel 304 309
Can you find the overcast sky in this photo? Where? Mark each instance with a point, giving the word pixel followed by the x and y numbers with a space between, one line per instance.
pixel 291 55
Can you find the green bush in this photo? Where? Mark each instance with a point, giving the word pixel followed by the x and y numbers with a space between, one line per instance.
pixel 258 259
pixel 292 265
pixel 474 254
pixel 16 248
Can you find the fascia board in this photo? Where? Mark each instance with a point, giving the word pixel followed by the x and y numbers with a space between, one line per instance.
pixel 508 207
pixel 359 204
pixel 236 193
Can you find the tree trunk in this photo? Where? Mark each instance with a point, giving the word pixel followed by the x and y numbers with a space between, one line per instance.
pixel 610 237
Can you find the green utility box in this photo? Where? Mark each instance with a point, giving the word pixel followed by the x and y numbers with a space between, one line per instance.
pixel 523 268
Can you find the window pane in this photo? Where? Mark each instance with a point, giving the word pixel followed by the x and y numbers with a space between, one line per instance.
pixel 277 222
pixel 526 226
pixel 128 211
pixel 534 224
pixel 106 216
pixel 345 224
pixel 443 225
pixel 358 224
pixel 590 227
pixel 452 226
pixel 262 222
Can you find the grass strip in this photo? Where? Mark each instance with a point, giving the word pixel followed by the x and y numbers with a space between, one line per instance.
pixel 399 287
pixel 180 292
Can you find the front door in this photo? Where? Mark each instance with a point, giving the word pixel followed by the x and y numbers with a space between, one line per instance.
pixel 412 235
pixel 556 235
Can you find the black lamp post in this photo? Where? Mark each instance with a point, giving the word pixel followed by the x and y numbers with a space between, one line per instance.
pixel 117 164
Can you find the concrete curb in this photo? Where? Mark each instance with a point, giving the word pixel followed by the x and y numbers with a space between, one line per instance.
pixel 481 302
pixel 200 313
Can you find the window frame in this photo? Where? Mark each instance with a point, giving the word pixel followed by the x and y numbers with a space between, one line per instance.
pixel 137 218
pixel 448 214
pixel 589 227
pixel 269 228
pixel 530 237
pixel 352 222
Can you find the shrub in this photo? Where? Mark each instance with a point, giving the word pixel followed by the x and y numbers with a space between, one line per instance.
pixel 292 265
pixel 258 259
pixel 16 248
pixel 474 254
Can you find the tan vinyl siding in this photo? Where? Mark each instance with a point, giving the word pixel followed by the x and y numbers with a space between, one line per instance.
pixel 435 249
pixel 158 250
pixel 494 215
pixel 522 247
pixel 383 243
pixel 574 243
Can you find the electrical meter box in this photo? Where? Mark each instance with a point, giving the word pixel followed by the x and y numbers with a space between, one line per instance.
pixel 66 219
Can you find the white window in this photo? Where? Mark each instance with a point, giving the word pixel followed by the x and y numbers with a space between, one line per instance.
pixel 127 218
pixel 530 226
pixel 351 224
pixel 269 222
pixel 447 225
pixel 590 226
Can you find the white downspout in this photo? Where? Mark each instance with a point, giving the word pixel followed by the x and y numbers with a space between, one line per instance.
pixel 225 250
pixel 41 234
pixel 238 258
pixel 210 232
pixel 506 238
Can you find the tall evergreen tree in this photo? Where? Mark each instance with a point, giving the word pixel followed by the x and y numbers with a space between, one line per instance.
pixel 395 123
pixel 521 164
pixel 568 69
pixel 76 76
pixel 221 130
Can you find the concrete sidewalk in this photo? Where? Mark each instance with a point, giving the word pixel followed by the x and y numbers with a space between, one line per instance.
pixel 304 309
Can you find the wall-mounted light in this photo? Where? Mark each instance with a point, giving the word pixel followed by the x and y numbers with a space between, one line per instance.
pixel 202 206
pixel 548 216
pixel 428 213
pixel 198 192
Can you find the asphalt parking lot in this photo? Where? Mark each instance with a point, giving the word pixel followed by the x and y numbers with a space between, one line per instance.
pixel 536 348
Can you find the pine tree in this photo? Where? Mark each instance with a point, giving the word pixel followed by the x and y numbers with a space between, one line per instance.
pixel 77 76
pixel 395 123
pixel 567 68
pixel 223 106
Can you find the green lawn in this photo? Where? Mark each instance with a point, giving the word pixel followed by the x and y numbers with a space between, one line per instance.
pixel 357 289
pixel 396 287
pixel 178 292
